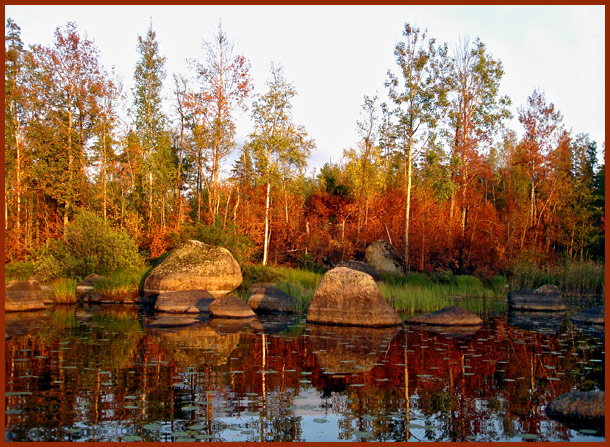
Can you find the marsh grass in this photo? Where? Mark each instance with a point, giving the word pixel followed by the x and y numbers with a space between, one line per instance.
pixel 407 294
pixel 299 283
pixel 121 283
pixel 409 299
pixel 302 296
pixel 64 291
pixel 577 278
pixel 419 293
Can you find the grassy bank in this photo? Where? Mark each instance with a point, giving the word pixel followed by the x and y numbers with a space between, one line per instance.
pixel 418 293
pixel 299 283
pixel 120 284
pixel 575 278
pixel 408 294
pixel 64 291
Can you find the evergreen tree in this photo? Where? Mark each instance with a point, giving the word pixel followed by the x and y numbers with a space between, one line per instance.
pixel 149 119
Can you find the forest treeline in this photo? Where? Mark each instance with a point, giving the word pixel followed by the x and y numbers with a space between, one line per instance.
pixel 437 170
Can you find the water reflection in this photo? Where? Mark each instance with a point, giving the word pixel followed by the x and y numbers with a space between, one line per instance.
pixel 101 374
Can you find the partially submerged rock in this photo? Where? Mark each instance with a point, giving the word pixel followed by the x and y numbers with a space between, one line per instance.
pixel 384 258
pixel 230 307
pixel 361 267
pixel 593 315
pixel 448 316
pixel 578 408
pixel 270 299
pixel 452 332
pixel 20 296
pixel 184 301
pixel 260 285
pixel 545 298
pixel 85 289
pixel 195 265
pixel 548 323
pixel 171 322
pixel 352 298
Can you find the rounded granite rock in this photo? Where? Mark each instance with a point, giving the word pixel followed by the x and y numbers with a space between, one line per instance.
pixel 230 307
pixel 447 316
pixel 350 298
pixel 195 265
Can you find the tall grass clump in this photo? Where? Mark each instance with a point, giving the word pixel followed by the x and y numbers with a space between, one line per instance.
pixel 64 291
pixel 301 295
pixel 587 277
pixel 121 283
pixel 90 245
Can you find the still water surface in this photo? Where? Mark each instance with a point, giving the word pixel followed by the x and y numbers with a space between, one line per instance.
pixel 103 374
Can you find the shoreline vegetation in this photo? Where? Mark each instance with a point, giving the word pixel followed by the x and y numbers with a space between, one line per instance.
pixel 407 294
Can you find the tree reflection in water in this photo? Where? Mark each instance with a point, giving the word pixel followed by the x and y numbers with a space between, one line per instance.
pixel 101 375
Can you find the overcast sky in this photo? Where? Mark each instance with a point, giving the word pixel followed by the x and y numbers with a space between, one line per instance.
pixel 336 54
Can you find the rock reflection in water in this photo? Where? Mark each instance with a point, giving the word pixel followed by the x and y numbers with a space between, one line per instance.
pixel 100 374
pixel 549 323
pixel 195 345
pixel 345 349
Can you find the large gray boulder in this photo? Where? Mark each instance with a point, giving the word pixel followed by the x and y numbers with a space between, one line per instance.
pixel 22 296
pixel 578 407
pixel 545 298
pixel 230 307
pixel 447 316
pixel 361 267
pixel 271 300
pixel 350 298
pixel 184 301
pixel 195 265
pixel 384 258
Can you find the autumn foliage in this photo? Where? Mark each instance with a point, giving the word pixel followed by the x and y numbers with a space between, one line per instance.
pixel 479 198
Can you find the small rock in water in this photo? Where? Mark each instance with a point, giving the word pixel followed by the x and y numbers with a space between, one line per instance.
pixel 578 408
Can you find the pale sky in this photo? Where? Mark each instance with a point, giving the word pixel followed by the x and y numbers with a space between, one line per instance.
pixel 336 54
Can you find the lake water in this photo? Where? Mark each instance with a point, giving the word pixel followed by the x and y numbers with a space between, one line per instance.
pixel 103 374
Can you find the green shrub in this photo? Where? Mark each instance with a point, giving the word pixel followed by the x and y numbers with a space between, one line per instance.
pixel 498 284
pixel 443 277
pixel 90 245
pixel 223 235
pixel 467 282
pixel 20 271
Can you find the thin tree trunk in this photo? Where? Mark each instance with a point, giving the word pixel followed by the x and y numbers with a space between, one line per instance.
pixel 224 221
pixel 104 168
pixel 18 185
pixel 408 169
pixel 266 242
pixel 235 209
pixel 68 202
